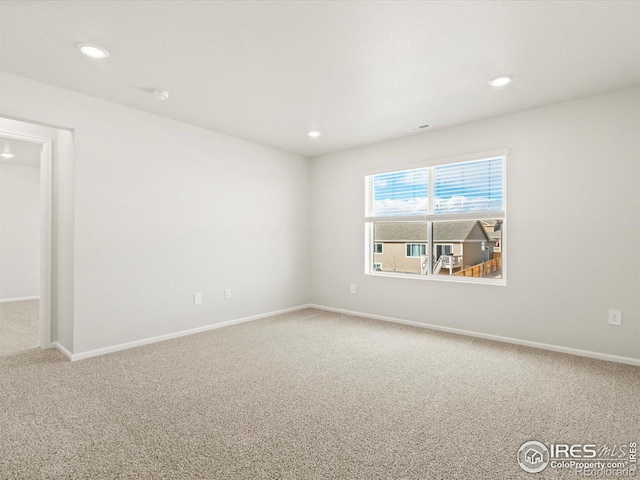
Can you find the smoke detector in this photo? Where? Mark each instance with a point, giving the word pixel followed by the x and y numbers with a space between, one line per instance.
pixel 160 94
pixel 419 127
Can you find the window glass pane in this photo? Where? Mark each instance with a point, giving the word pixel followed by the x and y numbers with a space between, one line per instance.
pixel 400 193
pixel 416 249
pixel 468 187
pixel 468 248
pixel 403 246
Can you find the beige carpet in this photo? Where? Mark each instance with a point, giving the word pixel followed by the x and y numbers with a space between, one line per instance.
pixel 307 395
pixel 19 329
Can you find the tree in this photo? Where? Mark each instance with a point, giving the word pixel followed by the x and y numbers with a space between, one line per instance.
pixel 393 263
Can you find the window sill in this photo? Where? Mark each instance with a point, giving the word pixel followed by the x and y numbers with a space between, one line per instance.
pixel 442 278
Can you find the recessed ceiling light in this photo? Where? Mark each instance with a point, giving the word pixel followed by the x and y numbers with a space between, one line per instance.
pixel 7 155
pixel 93 51
pixel 314 133
pixel 500 81
pixel 160 94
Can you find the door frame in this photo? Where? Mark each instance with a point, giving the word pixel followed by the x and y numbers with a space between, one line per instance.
pixel 46 196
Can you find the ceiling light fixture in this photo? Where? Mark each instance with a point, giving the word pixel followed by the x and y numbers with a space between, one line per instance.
pixel 500 81
pixel 160 94
pixel 93 51
pixel 7 155
pixel 314 133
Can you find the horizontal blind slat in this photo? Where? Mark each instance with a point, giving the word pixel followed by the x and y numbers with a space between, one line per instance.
pixel 474 186
pixel 398 193
pixel 468 187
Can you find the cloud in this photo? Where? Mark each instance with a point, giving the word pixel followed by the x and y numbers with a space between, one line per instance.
pixel 460 203
pixel 410 206
pixel 418 206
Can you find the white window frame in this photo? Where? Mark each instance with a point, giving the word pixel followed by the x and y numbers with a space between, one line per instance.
pixel 430 218
pixel 381 248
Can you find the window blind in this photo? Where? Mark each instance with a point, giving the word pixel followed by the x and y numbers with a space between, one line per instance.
pixel 458 188
pixel 398 193
pixel 468 187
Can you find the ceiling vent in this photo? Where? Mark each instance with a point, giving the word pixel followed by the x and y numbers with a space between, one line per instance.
pixel 418 128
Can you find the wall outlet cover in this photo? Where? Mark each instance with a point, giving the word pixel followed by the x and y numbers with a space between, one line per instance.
pixel 615 317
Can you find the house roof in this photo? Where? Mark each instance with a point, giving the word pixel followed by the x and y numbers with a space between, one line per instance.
pixel 453 231
pixel 400 232
pixel 495 235
pixel 417 231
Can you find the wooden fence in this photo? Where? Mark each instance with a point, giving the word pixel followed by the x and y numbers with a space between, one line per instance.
pixel 482 269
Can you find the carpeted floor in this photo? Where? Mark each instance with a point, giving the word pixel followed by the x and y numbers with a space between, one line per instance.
pixel 306 395
pixel 19 329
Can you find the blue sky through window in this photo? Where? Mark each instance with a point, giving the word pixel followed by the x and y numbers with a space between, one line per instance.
pixel 468 187
pixel 458 188
pixel 402 193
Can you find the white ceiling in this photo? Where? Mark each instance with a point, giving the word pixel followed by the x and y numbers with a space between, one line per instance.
pixel 26 154
pixel 361 72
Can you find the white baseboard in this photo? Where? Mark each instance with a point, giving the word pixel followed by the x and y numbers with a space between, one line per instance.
pixel 487 336
pixel 64 351
pixel 18 299
pixel 161 338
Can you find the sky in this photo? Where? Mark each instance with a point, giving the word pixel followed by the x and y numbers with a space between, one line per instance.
pixel 458 188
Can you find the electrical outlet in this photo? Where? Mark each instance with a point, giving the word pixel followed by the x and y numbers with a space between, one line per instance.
pixel 615 317
pixel 227 293
pixel 197 299
pixel 353 288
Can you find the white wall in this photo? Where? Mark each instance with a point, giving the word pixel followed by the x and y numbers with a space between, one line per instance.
pixel 19 232
pixel 163 210
pixel 573 230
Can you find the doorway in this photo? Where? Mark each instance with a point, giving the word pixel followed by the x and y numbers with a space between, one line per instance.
pixel 25 242
pixel 20 250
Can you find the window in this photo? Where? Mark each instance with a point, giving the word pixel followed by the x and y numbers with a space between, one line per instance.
pixel 416 249
pixel 444 221
pixel 443 249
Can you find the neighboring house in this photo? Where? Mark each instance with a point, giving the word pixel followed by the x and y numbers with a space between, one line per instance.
pixel 466 242
pixel 491 225
pixel 399 246
pixel 494 230
pixel 402 246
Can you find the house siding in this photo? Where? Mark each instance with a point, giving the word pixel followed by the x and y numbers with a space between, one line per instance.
pixel 393 258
